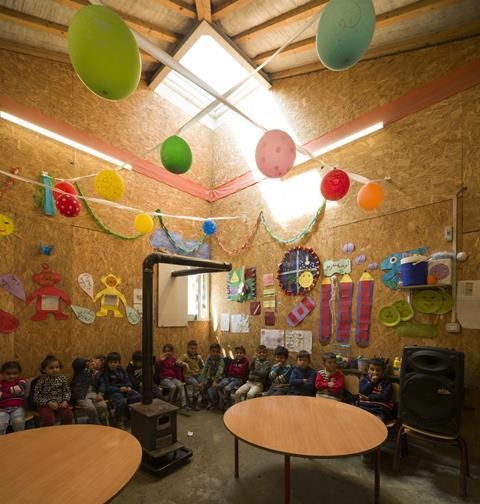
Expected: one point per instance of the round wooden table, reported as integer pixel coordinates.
(67, 464)
(306, 427)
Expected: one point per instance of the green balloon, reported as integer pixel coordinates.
(176, 155)
(344, 32)
(104, 52)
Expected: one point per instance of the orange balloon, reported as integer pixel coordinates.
(370, 196)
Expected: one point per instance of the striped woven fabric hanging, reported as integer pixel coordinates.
(344, 311)
(364, 309)
(325, 332)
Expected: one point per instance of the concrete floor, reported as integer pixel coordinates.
(426, 476)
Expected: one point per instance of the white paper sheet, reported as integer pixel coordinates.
(298, 340)
(239, 323)
(272, 338)
(468, 304)
(225, 322)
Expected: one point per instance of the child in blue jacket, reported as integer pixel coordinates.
(115, 386)
(376, 393)
(302, 379)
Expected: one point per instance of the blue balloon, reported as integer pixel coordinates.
(209, 227)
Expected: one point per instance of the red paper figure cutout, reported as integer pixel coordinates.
(48, 296)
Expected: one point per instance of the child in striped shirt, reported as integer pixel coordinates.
(280, 373)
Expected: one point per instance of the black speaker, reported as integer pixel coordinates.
(431, 389)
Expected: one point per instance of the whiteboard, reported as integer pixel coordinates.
(172, 297)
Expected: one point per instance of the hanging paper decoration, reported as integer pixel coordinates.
(109, 185)
(46, 249)
(104, 53)
(133, 316)
(173, 242)
(110, 297)
(255, 308)
(300, 311)
(12, 284)
(391, 264)
(335, 185)
(404, 308)
(389, 316)
(342, 266)
(85, 281)
(65, 187)
(9, 181)
(8, 323)
(143, 223)
(68, 205)
(344, 33)
(176, 155)
(48, 296)
(360, 259)
(209, 227)
(299, 271)
(344, 315)
(85, 315)
(325, 332)
(275, 153)
(370, 196)
(348, 248)
(7, 226)
(364, 309)
(48, 201)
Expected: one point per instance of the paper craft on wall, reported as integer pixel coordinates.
(348, 248)
(239, 323)
(133, 316)
(296, 340)
(12, 284)
(325, 332)
(272, 338)
(344, 310)
(8, 322)
(269, 318)
(299, 271)
(364, 309)
(250, 286)
(391, 264)
(46, 249)
(85, 281)
(360, 259)
(235, 284)
(48, 199)
(255, 308)
(110, 297)
(48, 296)
(372, 266)
(269, 291)
(270, 304)
(7, 226)
(342, 266)
(300, 311)
(85, 315)
(138, 300)
(267, 279)
(191, 248)
(225, 322)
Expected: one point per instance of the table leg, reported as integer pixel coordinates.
(376, 498)
(236, 458)
(287, 479)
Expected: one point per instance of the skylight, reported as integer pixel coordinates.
(213, 60)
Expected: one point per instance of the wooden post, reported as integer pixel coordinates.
(236, 458)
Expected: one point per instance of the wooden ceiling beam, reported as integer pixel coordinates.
(228, 7)
(43, 25)
(405, 13)
(144, 27)
(179, 7)
(414, 43)
(304, 11)
(204, 10)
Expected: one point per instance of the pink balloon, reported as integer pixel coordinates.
(275, 153)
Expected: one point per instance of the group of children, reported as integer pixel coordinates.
(217, 380)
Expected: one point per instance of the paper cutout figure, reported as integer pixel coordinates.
(344, 315)
(325, 332)
(391, 264)
(85, 281)
(300, 311)
(272, 338)
(255, 308)
(110, 297)
(48, 296)
(8, 322)
(296, 340)
(267, 279)
(83, 314)
(225, 322)
(132, 315)
(12, 284)
(364, 309)
(46, 249)
(269, 318)
(342, 266)
(239, 323)
(7, 226)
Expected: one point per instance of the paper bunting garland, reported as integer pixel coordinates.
(325, 332)
(85, 281)
(8, 322)
(83, 314)
(344, 314)
(12, 284)
(364, 309)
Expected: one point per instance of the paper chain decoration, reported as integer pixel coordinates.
(299, 271)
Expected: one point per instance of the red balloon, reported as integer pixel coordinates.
(335, 185)
(64, 186)
(68, 205)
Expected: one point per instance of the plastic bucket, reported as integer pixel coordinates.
(414, 270)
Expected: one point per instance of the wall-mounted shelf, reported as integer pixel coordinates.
(426, 286)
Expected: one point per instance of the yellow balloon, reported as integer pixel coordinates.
(143, 223)
(109, 185)
(7, 227)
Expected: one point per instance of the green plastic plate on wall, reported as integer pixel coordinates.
(427, 301)
(405, 309)
(389, 316)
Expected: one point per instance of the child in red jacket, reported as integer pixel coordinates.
(12, 397)
(236, 375)
(168, 373)
(329, 381)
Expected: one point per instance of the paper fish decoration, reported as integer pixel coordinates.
(342, 266)
(132, 315)
(83, 314)
(391, 264)
(46, 249)
(12, 284)
(85, 280)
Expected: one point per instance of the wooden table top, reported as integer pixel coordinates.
(305, 426)
(67, 464)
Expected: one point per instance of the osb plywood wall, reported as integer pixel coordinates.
(429, 156)
(80, 246)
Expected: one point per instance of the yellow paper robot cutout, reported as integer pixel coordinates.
(110, 296)
(7, 227)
